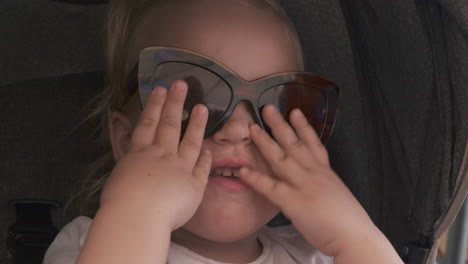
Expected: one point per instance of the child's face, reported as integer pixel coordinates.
(253, 43)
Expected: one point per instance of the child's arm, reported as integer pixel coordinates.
(155, 187)
(312, 196)
(120, 236)
(370, 247)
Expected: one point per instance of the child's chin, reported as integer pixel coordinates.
(226, 218)
(224, 236)
(223, 231)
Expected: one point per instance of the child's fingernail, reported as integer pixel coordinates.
(298, 113)
(201, 109)
(244, 170)
(180, 87)
(270, 108)
(256, 127)
(159, 90)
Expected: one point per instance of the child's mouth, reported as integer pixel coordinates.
(230, 173)
(228, 179)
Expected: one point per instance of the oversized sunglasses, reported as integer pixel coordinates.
(220, 90)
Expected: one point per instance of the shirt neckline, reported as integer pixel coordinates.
(190, 255)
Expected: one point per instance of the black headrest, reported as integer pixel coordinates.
(83, 2)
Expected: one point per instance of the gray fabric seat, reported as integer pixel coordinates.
(400, 142)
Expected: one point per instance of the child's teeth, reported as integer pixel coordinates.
(227, 172)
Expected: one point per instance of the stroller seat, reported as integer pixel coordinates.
(400, 142)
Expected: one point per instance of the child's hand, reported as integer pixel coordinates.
(304, 186)
(159, 177)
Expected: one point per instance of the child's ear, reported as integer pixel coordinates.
(120, 131)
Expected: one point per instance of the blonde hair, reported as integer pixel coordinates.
(123, 18)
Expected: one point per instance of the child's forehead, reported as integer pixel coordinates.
(250, 41)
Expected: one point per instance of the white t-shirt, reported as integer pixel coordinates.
(281, 245)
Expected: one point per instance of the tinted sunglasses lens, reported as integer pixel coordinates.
(204, 87)
(311, 101)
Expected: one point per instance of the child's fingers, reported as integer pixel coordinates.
(189, 147)
(302, 142)
(290, 141)
(308, 135)
(274, 190)
(202, 168)
(269, 148)
(143, 134)
(271, 151)
(304, 129)
(168, 131)
(281, 130)
(273, 154)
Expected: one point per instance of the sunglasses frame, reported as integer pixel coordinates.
(142, 79)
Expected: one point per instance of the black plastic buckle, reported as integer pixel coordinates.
(33, 231)
(417, 252)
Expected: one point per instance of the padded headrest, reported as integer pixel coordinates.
(84, 2)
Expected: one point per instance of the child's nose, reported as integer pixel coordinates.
(236, 129)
